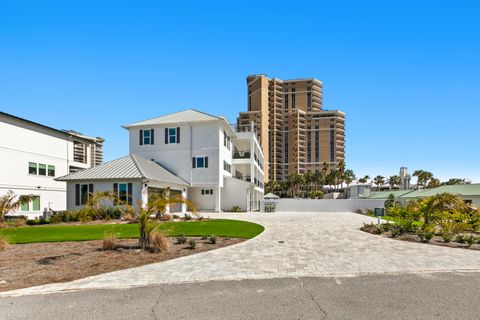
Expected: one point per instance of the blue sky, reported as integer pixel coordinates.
(407, 73)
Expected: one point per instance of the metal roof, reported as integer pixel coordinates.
(460, 189)
(386, 194)
(189, 115)
(128, 167)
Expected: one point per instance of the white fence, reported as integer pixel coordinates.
(324, 205)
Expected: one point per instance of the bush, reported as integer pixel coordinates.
(371, 228)
(37, 221)
(407, 225)
(447, 236)
(187, 217)
(426, 233)
(3, 243)
(460, 238)
(204, 238)
(167, 217)
(159, 242)
(470, 240)
(176, 216)
(181, 239)
(109, 241)
(385, 227)
(316, 195)
(212, 239)
(192, 244)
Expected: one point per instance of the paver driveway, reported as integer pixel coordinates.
(292, 245)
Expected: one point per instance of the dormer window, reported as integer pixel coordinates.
(147, 137)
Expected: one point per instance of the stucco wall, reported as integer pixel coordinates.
(322, 205)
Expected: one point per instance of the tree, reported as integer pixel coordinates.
(454, 181)
(349, 176)
(272, 186)
(432, 206)
(156, 203)
(295, 180)
(379, 181)
(364, 179)
(433, 183)
(11, 202)
(423, 177)
(99, 202)
(394, 181)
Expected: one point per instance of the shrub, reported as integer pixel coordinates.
(460, 238)
(204, 238)
(3, 243)
(181, 239)
(316, 195)
(235, 209)
(426, 233)
(192, 244)
(109, 241)
(187, 217)
(159, 242)
(37, 221)
(128, 216)
(371, 228)
(55, 218)
(385, 227)
(407, 225)
(176, 216)
(470, 240)
(212, 239)
(447, 236)
(19, 222)
(167, 217)
(396, 232)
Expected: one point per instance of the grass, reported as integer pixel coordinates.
(61, 233)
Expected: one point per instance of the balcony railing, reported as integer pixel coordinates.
(241, 155)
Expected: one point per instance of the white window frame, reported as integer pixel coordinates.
(174, 136)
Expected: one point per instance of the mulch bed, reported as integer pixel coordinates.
(437, 241)
(27, 265)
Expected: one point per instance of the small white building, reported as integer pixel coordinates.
(131, 178)
(33, 155)
(221, 168)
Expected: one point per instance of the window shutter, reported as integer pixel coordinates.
(77, 194)
(166, 135)
(206, 162)
(115, 193)
(152, 136)
(129, 193)
(178, 134)
(194, 164)
(140, 136)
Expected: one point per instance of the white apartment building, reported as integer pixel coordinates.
(199, 155)
(33, 155)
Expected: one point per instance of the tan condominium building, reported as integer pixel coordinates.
(297, 135)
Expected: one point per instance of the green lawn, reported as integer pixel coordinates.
(60, 233)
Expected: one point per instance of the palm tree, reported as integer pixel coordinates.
(422, 177)
(296, 180)
(309, 181)
(11, 202)
(156, 203)
(439, 203)
(394, 181)
(379, 181)
(324, 173)
(99, 202)
(349, 176)
(364, 179)
(433, 183)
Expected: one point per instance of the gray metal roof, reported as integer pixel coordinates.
(128, 167)
(185, 116)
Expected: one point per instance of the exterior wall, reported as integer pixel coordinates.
(101, 186)
(321, 205)
(236, 193)
(202, 202)
(22, 142)
(195, 140)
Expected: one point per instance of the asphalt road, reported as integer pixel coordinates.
(426, 296)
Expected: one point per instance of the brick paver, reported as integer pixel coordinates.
(314, 244)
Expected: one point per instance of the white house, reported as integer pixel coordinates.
(33, 155)
(132, 179)
(221, 168)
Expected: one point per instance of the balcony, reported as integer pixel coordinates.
(241, 155)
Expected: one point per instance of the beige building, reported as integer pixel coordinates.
(296, 134)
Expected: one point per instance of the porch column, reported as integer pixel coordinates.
(218, 199)
(167, 207)
(144, 196)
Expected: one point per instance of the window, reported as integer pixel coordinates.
(25, 206)
(226, 140)
(32, 168)
(82, 193)
(123, 191)
(309, 144)
(293, 99)
(200, 162)
(51, 171)
(42, 169)
(317, 144)
(286, 102)
(36, 204)
(309, 100)
(227, 166)
(147, 137)
(332, 146)
(207, 192)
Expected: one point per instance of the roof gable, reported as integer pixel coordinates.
(185, 116)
